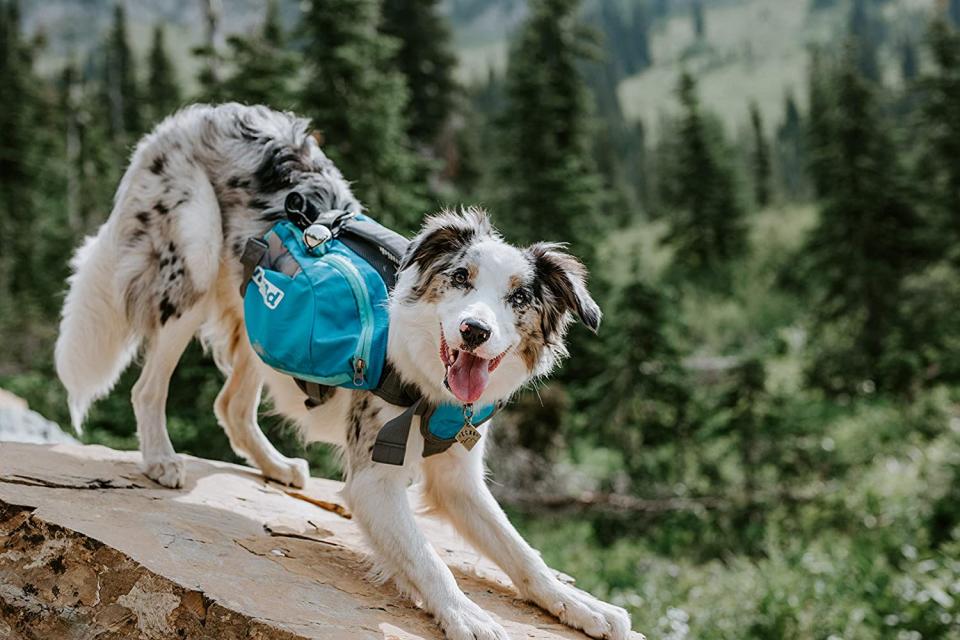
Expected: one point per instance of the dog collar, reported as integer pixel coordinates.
(441, 426)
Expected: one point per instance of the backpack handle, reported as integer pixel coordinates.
(300, 211)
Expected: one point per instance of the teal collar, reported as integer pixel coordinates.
(446, 420)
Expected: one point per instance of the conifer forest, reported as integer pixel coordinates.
(763, 440)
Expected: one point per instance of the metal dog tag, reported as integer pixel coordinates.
(468, 437)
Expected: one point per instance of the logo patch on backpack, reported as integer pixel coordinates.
(271, 294)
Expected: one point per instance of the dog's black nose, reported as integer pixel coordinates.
(474, 333)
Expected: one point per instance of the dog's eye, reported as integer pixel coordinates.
(460, 277)
(520, 298)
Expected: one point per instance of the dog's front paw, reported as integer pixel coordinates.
(291, 471)
(169, 471)
(580, 610)
(467, 621)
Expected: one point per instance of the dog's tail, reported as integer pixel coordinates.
(96, 341)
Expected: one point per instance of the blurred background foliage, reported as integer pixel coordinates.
(764, 439)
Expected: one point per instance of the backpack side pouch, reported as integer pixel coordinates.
(319, 315)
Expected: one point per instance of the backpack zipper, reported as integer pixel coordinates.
(362, 297)
(359, 366)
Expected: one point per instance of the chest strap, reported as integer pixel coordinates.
(439, 426)
(391, 444)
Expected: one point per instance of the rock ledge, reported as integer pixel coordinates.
(90, 548)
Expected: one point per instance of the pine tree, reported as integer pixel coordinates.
(69, 94)
(426, 59)
(742, 415)
(467, 169)
(617, 149)
(100, 160)
(820, 5)
(48, 231)
(868, 241)
(640, 37)
(698, 187)
(609, 25)
(16, 176)
(552, 188)
(820, 127)
(792, 121)
(162, 91)
(209, 56)
(32, 186)
(699, 19)
(262, 66)
(358, 103)
(909, 62)
(760, 158)
(641, 393)
(120, 82)
(790, 150)
(625, 39)
(863, 30)
(941, 112)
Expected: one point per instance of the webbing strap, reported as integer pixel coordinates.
(391, 444)
(394, 390)
(253, 253)
(317, 394)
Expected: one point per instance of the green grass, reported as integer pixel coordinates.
(854, 561)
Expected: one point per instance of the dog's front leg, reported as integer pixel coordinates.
(455, 487)
(377, 497)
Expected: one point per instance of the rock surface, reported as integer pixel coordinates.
(90, 548)
(19, 424)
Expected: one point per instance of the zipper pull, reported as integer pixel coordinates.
(359, 366)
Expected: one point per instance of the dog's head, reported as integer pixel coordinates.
(473, 318)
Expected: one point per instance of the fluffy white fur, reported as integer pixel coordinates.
(164, 268)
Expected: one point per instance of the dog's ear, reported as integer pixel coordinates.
(565, 278)
(444, 235)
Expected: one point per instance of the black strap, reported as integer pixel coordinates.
(381, 247)
(253, 253)
(394, 390)
(391, 444)
(317, 394)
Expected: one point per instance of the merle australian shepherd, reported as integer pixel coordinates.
(165, 268)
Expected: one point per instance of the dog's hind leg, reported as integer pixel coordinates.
(237, 403)
(454, 487)
(236, 409)
(163, 351)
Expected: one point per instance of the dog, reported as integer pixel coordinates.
(472, 319)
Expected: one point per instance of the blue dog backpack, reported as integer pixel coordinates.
(315, 299)
(319, 314)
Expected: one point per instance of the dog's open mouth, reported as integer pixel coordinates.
(467, 374)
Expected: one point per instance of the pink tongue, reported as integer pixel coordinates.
(467, 377)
